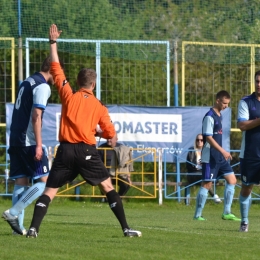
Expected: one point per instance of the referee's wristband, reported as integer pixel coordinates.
(52, 41)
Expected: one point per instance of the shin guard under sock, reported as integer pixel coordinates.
(17, 194)
(28, 197)
(228, 198)
(40, 210)
(116, 206)
(200, 201)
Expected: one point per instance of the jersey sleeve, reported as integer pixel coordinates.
(41, 95)
(242, 113)
(106, 124)
(60, 81)
(208, 126)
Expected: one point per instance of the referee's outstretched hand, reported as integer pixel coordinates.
(54, 33)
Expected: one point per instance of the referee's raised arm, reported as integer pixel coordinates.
(54, 34)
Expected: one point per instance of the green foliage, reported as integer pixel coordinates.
(217, 21)
(8, 18)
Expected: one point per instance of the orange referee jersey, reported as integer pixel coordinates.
(81, 112)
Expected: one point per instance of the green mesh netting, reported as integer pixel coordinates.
(234, 21)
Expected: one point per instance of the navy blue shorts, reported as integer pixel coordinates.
(250, 171)
(212, 171)
(76, 159)
(22, 163)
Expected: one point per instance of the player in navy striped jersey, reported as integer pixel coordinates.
(248, 121)
(27, 158)
(215, 159)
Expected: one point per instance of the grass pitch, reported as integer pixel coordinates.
(88, 230)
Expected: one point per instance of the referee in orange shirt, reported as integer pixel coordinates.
(77, 154)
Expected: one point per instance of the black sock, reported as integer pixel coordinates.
(211, 193)
(116, 206)
(40, 210)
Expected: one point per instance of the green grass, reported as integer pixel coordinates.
(88, 230)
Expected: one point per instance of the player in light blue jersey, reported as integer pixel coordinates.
(248, 121)
(27, 157)
(214, 159)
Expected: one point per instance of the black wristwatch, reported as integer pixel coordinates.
(52, 41)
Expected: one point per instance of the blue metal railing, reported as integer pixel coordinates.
(169, 194)
(4, 173)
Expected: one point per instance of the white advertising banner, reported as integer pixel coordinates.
(173, 129)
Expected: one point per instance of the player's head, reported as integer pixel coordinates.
(257, 74)
(45, 70)
(87, 78)
(46, 64)
(112, 142)
(222, 100)
(257, 83)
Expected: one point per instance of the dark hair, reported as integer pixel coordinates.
(86, 77)
(257, 73)
(222, 94)
(46, 65)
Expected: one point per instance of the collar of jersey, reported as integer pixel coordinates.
(86, 90)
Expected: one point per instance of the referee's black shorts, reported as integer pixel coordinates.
(73, 159)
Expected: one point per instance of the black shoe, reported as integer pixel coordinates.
(12, 221)
(243, 227)
(128, 232)
(32, 233)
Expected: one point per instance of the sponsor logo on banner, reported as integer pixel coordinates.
(148, 127)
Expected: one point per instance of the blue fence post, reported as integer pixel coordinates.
(178, 178)
(164, 174)
(187, 195)
(77, 192)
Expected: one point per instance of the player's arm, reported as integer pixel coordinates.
(60, 82)
(57, 72)
(243, 122)
(41, 95)
(37, 129)
(54, 34)
(248, 124)
(106, 125)
(214, 144)
(207, 130)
